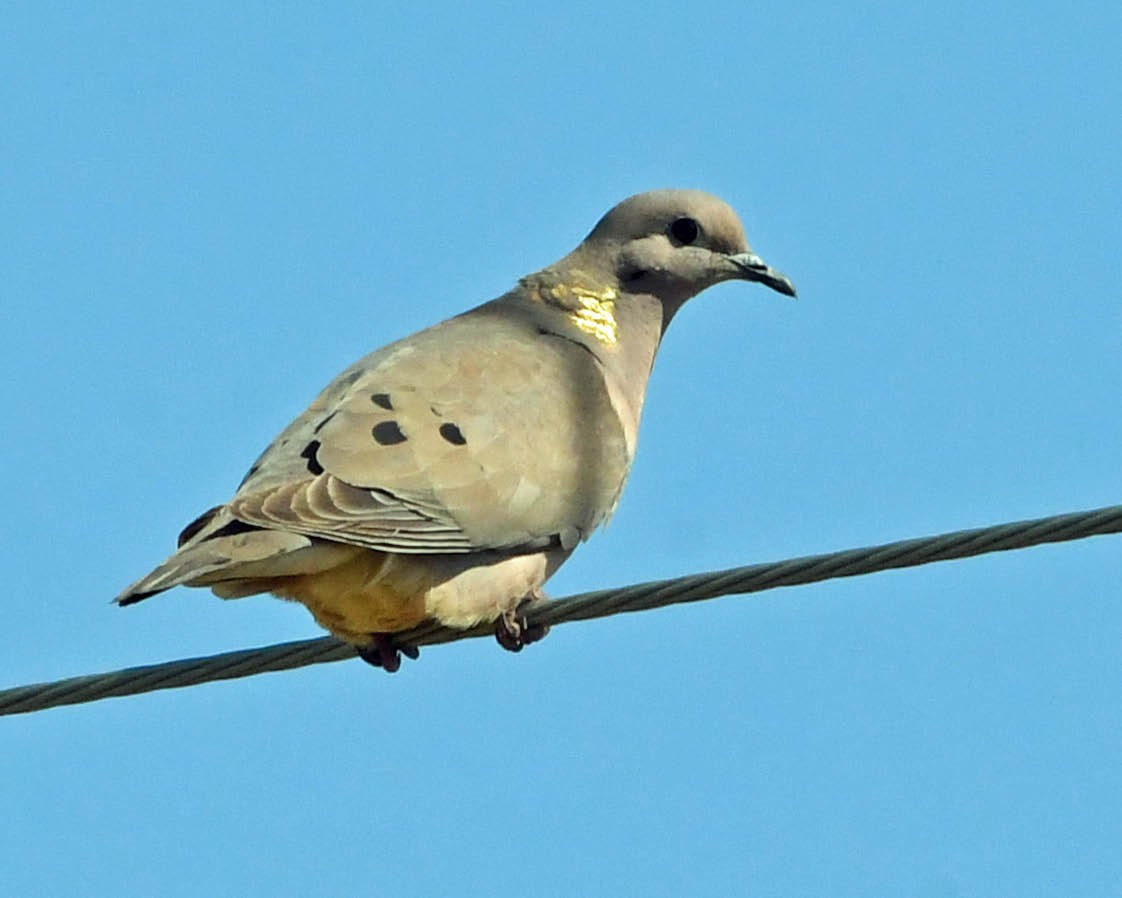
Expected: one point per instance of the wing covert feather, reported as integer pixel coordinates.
(478, 433)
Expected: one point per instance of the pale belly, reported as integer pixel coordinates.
(376, 592)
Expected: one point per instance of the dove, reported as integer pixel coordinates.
(448, 475)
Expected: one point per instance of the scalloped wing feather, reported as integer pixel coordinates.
(475, 434)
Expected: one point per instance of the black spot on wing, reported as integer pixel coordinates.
(233, 529)
(452, 434)
(199, 523)
(387, 433)
(382, 400)
(314, 467)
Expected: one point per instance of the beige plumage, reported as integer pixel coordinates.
(448, 475)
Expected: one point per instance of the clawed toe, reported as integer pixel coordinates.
(385, 652)
(514, 632)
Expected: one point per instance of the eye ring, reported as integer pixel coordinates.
(684, 231)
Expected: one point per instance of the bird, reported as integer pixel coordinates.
(448, 475)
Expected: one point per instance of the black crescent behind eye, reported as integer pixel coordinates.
(685, 231)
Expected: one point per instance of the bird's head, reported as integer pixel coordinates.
(672, 244)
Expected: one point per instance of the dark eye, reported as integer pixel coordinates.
(685, 231)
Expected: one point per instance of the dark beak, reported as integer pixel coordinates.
(752, 268)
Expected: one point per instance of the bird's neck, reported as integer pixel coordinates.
(621, 330)
(608, 320)
(588, 306)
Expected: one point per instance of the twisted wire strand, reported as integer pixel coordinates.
(585, 606)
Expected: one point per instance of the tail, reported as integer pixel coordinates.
(235, 559)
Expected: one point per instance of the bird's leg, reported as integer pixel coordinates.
(385, 652)
(512, 630)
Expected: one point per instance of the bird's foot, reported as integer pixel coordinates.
(385, 652)
(513, 631)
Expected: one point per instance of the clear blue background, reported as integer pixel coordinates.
(209, 211)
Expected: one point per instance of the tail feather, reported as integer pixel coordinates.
(228, 554)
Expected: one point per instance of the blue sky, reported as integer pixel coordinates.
(208, 213)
